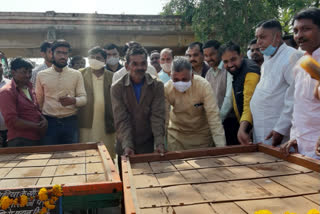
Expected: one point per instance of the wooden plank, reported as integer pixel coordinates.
(35, 156)
(184, 194)
(298, 159)
(170, 178)
(273, 187)
(161, 210)
(193, 209)
(93, 159)
(49, 171)
(303, 183)
(193, 153)
(212, 162)
(193, 176)
(53, 162)
(12, 183)
(96, 178)
(73, 160)
(253, 158)
(314, 198)
(181, 165)
(233, 190)
(145, 180)
(141, 168)
(25, 172)
(130, 197)
(162, 166)
(223, 208)
(277, 205)
(42, 149)
(107, 163)
(11, 164)
(92, 152)
(151, 197)
(24, 163)
(44, 182)
(272, 169)
(4, 172)
(69, 179)
(72, 169)
(69, 154)
(224, 173)
(94, 168)
(296, 167)
(5, 158)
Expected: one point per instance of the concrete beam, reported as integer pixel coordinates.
(22, 33)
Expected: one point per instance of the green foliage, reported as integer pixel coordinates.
(235, 20)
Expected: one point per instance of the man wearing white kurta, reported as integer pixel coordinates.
(272, 102)
(306, 118)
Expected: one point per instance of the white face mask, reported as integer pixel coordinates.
(182, 86)
(95, 64)
(113, 60)
(166, 67)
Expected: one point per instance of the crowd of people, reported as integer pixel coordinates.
(214, 96)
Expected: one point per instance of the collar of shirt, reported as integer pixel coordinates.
(14, 85)
(64, 69)
(279, 51)
(216, 71)
(316, 53)
(147, 78)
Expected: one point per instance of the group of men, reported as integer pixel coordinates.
(213, 96)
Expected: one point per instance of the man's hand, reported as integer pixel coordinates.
(128, 151)
(244, 137)
(318, 147)
(276, 138)
(43, 123)
(67, 101)
(160, 149)
(316, 91)
(285, 148)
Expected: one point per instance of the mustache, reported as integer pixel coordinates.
(140, 71)
(302, 40)
(193, 61)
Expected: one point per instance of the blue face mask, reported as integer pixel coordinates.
(270, 50)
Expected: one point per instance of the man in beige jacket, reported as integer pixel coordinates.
(193, 120)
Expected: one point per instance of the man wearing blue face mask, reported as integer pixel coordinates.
(272, 102)
(193, 121)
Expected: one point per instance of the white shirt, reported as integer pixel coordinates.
(226, 106)
(123, 71)
(306, 114)
(272, 102)
(2, 123)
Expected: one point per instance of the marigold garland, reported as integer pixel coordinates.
(48, 197)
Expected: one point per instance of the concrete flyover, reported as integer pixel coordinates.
(22, 33)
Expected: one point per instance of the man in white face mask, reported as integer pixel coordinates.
(166, 57)
(193, 121)
(96, 118)
(113, 58)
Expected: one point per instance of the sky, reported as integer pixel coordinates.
(146, 7)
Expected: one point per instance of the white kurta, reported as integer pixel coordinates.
(272, 102)
(306, 114)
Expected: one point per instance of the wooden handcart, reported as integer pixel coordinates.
(85, 171)
(229, 180)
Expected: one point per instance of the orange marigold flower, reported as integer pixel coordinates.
(313, 211)
(57, 190)
(15, 201)
(263, 212)
(43, 196)
(5, 202)
(23, 200)
(43, 210)
(48, 205)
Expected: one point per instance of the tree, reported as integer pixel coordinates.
(235, 20)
